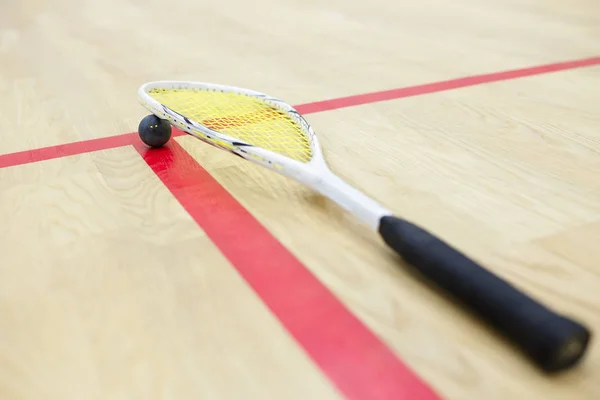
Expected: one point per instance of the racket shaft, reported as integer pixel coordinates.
(349, 198)
(551, 341)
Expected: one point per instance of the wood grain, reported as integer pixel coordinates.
(112, 291)
(108, 289)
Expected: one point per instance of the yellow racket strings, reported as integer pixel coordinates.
(240, 116)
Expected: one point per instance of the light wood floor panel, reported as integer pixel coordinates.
(482, 169)
(112, 291)
(71, 69)
(109, 286)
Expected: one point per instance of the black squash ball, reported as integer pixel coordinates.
(154, 132)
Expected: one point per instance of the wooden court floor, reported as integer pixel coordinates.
(187, 273)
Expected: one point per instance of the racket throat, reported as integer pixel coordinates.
(352, 200)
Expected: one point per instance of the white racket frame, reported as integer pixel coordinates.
(314, 173)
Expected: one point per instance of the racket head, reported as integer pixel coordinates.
(249, 123)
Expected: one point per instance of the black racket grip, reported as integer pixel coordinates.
(551, 341)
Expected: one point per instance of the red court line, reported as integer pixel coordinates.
(353, 358)
(441, 86)
(65, 150)
(47, 153)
